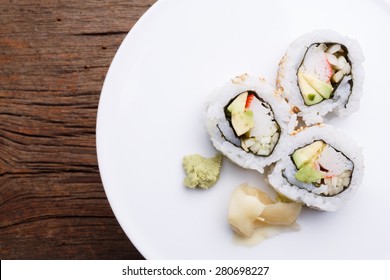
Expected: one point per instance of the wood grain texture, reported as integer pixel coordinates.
(54, 56)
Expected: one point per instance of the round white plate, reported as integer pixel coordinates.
(151, 115)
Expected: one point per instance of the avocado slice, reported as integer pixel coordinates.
(247, 143)
(323, 88)
(309, 174)
(242, 122)
(307, 153)
(238, 104)
(310, 95)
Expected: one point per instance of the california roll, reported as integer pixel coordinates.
(320, 73)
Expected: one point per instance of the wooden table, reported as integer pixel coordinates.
(54, 56)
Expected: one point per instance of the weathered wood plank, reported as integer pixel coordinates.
(58, 216)
(54, 56)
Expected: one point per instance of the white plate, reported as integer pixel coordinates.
(151, 115)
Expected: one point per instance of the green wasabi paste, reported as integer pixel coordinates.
(201, 172)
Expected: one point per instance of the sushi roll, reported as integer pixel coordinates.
(320, 73)
(247, 121)
(322, 168)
